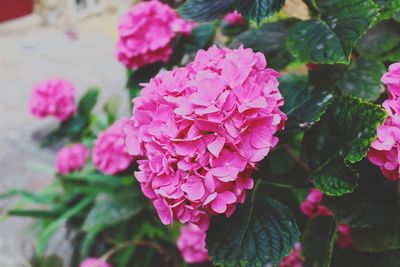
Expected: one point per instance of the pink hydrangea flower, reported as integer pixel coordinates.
(384, 151)
(234, 18)
(109, 154)
(312, 207)
(94, 262)
(392, 80)
(294, 259)
(146, 33)
(54, 97)
(201, 130)
(192, 244)
(71, 158)
(345, 239)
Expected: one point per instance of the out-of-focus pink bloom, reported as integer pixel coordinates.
(345, 239)
(192, 244)
(109, 154)
(234, 18)
(94, 262)
(384, 151)
(54, 97)
(146, 33)
(294, 259)
(312, 206)
(71, 158)
(201, 130)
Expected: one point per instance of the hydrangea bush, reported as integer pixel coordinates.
(257, 137)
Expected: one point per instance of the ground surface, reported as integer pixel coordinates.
(30, 53)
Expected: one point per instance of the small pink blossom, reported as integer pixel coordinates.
(294, 259)
(234, 18)
(71, 158)
(192, 244)
(109, 154)
(54, 97)
(384, 151)
(345, 239)
(146, 33)
(312, 207)
(94, 262)
(201, 130)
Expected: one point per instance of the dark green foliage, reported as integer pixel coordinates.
(261, 232)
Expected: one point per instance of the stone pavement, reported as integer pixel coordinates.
(31, 53)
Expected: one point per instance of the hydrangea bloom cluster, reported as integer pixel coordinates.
(94, 262)
(294, 259)
(192, 244)
(54, 97)
(384, 150)
(202, 129)
(109, 154)
(312, 207)
(71, 158)
(234, 18)
(146, 33)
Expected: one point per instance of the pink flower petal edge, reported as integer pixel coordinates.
(384, 151)
(94, 262)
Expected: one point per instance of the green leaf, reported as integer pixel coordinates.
(43, 198)
(393, 55)
(260, 233)
(52, 227)
(269, 39)
(87, 102)
(318, 242)
(205, 10)
(366, 206)
(356, 122)
(304, 104)
(313, 41)
(379, 40)
(110, 210)
(388, 7)
(326, 177)
(111, 108)
(41, 214)
(363, 79)
(232, 30)
(257, 10)
(350, 20)
(200, 38)
(331, 39)
(380, 237)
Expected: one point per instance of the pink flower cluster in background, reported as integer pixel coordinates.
(192, 244)
(54, 97)
(312, 207)
(294, 259)
(146, 33)
(94, 262)
(234, 18)
(109, 154)
(71, 158)
(201, 130)
(384, 150)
